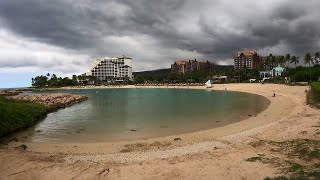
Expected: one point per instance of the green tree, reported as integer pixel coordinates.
(40, 81)
(287, 59)
(295, 60)
(273, 60)
(281, 60)
(138, 80)
(317, 57)
(269, 62)
(308, 60)
(53, 82)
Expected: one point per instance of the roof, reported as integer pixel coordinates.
(180, 62)
(247, 53)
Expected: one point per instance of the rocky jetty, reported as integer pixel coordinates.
(52, 101)
(10, 92)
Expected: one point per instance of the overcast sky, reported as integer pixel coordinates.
(63, 36)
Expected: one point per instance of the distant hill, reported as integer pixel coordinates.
(168, 70)
(152, 72)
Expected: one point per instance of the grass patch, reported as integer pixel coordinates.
(254, 159)
(308, 176)
(16, 114)
(295, 168)
(300, 158)
(299, 148)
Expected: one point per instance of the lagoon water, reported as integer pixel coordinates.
(130, 114)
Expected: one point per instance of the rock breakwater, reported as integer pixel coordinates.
(10, 92)
(52, 101)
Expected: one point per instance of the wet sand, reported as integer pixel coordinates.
(218, 152)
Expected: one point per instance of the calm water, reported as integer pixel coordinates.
(129, 114)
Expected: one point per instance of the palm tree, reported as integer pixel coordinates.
(281, 60)
(273, 60)
(308, 60)
(294, 60)
(317, 57)
(268, 62)
(287, 58)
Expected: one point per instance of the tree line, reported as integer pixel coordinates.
(311, 72)
(296, 73)
(53, 81)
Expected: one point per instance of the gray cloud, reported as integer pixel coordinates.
(154, 32)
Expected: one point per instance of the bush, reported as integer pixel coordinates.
(15, 115)
(313, 96)
(315, 86)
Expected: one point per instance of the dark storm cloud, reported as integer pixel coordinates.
(156, 32)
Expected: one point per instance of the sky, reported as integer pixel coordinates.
(64, 36)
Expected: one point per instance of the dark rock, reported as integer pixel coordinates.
(133, 130)
(14, 139)
(249, 115)
(38, 131)
(21, 147)
(218, 121)
(177, 139)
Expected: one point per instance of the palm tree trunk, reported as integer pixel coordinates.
(310, 71)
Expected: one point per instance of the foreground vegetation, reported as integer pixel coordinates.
(16, 115)
(300, 158)
(313, 96)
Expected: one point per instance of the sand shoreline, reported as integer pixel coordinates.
(284, 109)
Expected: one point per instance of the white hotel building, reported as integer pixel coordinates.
(116, 67)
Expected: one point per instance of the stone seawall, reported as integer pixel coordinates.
(52, 101)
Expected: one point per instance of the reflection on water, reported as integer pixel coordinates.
(128, 114)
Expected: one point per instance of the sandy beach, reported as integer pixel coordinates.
(218, 153)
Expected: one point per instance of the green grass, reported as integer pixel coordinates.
(313, 96)
(312, 175)
(315, 86)
(15, 115)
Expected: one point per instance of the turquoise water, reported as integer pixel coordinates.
(130, 114)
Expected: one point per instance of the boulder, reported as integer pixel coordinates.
(21, 147)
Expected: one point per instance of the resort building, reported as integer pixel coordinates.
(274, 72)
(186, 66)
(118, 68)
(247, 60)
